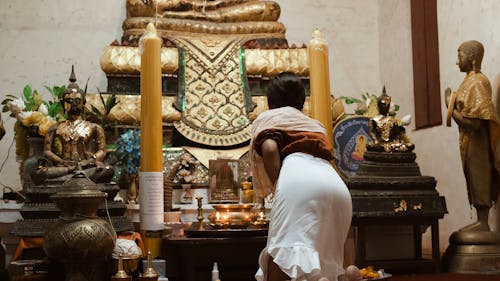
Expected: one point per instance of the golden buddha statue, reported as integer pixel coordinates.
(387, 132)
(204, 17)
(479, 133)
(74, 143)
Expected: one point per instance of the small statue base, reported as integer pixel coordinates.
(473, 252)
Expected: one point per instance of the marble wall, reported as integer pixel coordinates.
(370, 46)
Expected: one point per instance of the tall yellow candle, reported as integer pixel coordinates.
(320, 99)
(151, 164)
(151, 115)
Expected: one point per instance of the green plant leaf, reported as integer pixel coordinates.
(96, 112)
(102, 99)
(55, 109)
(110, 103)
(51, 91)
(350, 100)
(59, 91)
(396, 108)
(27, 92)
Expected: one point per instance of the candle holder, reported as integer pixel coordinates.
(261, 221)
(200, 212)
(149, 273)
(121, 275)
(236, 216)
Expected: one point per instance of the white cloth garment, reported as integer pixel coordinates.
(309, 221)
(283, 118)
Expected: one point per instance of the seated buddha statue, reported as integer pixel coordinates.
(73, 143)
(388, 132)
(203, 16)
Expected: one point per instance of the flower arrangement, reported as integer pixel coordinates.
(32, 112)
(128, 151)
(367, 105)
(34, 115)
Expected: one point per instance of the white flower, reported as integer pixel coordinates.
(23, 115)
(406, 120)
(43, 109)
(16, 106)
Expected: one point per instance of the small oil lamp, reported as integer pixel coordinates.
(261, 220)
(232, 216)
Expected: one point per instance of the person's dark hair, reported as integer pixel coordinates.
(286, 89)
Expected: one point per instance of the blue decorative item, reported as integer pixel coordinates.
(128, 151)
(350, 137)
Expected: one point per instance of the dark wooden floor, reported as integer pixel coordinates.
(444, 277)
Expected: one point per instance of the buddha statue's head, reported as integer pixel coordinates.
(73, 99)
(470, 56)
(384, 103)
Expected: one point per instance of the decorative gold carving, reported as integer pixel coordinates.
(417, 206)
(127, 111)
(401, 207)
(274, 61)
(213, 140)
(126, 60)
(213, 82)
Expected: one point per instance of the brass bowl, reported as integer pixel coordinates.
(232, 216)
(232, 207)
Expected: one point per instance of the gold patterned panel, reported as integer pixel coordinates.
(213, 92)
(128, 109)
(126, 60)
(271, 62)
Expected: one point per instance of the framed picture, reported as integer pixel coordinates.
(223, 181)
(350, 137)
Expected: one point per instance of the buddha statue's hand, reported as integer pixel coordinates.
(88, 162)
(66, 163)
(447, 96)
(71, 168)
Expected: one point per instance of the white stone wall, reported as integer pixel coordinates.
(40, 40)
(370, 46)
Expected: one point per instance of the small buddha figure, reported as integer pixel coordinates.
(387, 132)
(74, 143)
(359, 148)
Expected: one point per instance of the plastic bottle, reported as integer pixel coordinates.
(215, 272)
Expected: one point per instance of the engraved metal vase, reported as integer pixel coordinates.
(79, 239)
